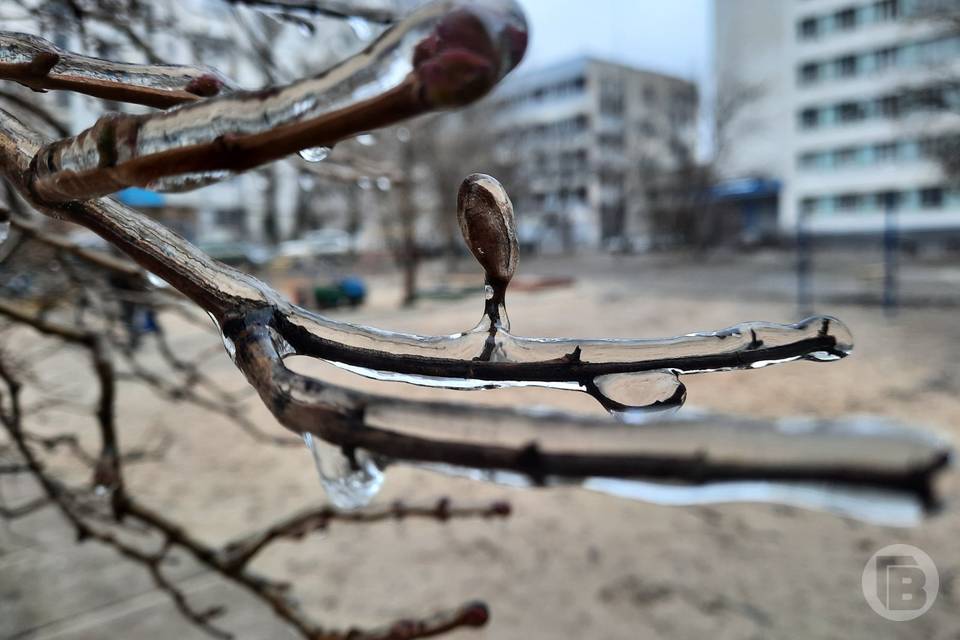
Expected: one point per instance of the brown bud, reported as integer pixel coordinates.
(486, 220)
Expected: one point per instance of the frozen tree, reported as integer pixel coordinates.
(444, 55)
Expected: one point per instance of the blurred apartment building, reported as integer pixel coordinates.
(855, 97)
(585, 135)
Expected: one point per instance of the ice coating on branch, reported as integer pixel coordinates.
(4, 225)
(830, 465)
(629, 395)
(627, 376)
(470, 49)
(349, 483)
(445, 54)
(40, 64)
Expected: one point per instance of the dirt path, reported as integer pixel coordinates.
(569, 563)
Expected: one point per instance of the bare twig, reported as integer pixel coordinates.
(326, 8)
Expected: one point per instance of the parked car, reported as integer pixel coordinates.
(320, 243)
(237, 253)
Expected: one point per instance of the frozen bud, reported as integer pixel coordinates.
(206, 85)
(469, 50)
(486, 221)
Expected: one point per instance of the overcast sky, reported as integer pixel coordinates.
(671, 36)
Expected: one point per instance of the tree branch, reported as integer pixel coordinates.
(259, 325)
(240, 552)
(41, 66)
(326, 8)
(448, 53)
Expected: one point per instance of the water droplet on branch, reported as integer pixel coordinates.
(156, 281)
(4, 230)
(366, 139)
(228, 344)
(349, 484)
(629, 395)
(383, 183)
(315, 154)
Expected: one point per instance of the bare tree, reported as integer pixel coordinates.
(677, 188)
(939, 88)
(444, 55)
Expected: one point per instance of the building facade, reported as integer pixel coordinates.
(856, 100)
(585, 134)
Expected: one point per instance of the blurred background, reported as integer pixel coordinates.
(674, 167)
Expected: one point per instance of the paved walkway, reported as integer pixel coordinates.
(52, 587)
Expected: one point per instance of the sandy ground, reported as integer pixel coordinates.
(570, 563)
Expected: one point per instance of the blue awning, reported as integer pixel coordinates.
(137, 197)
(745, 188)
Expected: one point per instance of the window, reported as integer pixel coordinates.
(930, 98)
(885, 152)
(890, 106)
(848, 202)
(847, 66)
(885, 58)
(809, 160)
(649, 94)
(850, 112)
(808, 205)
(845, 157)
(888, 200)
(931, 198)
(809, 72)
(846, 19)
(612, 140)
(611, 105)
(809, 28)
(887, 10)
(810, 118)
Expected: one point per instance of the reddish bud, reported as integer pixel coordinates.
(475, 614)
(205, 86)
(469, 50)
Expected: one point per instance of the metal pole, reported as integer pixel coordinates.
(891, 246)
(804, 268)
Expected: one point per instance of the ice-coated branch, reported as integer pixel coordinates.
(446, 54)
(42, 66)
(260, 329)
(82, 511)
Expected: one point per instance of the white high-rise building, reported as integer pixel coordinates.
(855, 98)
